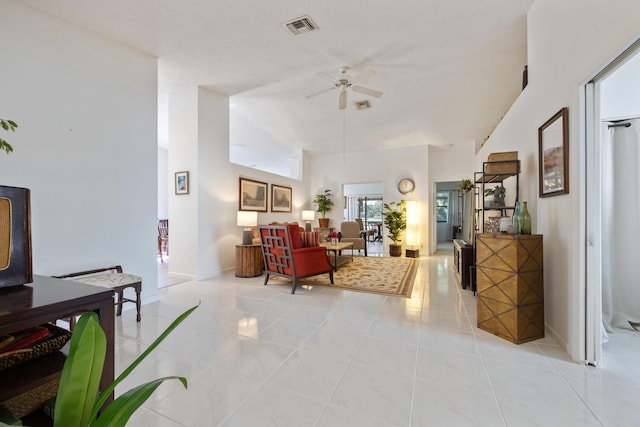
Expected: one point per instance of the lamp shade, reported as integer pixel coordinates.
(247, 218)
(308, 215)
(413, 220)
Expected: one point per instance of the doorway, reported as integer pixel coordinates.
(365, 202)
(612, 199)
(451, 211)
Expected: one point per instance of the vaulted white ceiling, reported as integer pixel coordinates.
(449, 70)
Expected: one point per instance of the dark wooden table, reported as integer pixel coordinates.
(48, 299)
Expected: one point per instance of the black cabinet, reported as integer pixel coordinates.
(462, 260)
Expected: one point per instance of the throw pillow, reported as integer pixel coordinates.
(294, 235)
(309, 239)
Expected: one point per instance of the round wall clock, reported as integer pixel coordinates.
(406, 186)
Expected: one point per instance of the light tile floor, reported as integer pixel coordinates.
(256, 355)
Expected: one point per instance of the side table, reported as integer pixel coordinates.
(249, 262)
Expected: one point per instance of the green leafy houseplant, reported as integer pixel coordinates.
(466, 185)
(324, 202)
(395, 219)
(8, 125)
(79, 398)
(498, 193)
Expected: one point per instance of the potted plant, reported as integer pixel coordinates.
(465, 186)
(324, 202)
(395, 219)
(8, 125)
(79, 399)
(498, 193)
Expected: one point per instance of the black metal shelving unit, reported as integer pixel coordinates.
(495, 172)
(483, 178)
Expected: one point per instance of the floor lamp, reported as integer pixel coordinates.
(413, 230)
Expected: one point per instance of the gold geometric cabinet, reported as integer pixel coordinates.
(510, 286)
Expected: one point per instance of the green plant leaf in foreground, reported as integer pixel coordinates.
(103, 396)
(81, 374)
(78, 401)
(118, 413)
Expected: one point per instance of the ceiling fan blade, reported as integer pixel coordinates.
(367, 91)
(321, 92)
(328, 77)
(343, 100)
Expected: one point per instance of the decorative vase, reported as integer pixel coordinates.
(525, 220)
(324, 222)
(495, 224)
(516, 218)
(505, 223)
(334, 241)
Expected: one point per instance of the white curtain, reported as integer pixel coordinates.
(621, 224)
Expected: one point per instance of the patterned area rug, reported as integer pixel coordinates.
(378, 275)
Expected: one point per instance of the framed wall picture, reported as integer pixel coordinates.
(182, 182)
(253, 195)
(553, 155)
(280, 198)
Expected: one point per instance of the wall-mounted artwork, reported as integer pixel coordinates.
(253, 195)
(182, 182)
(553, 155)
(280, 198)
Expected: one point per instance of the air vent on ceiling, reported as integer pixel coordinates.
(362, 105)
(301, 25)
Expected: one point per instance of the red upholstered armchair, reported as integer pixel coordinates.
(284, 255)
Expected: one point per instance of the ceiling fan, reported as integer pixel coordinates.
(344, 82)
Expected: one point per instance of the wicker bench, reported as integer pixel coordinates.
(113, 278)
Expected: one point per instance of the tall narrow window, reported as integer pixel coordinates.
(442, 206)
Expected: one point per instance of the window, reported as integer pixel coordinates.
(442, 206)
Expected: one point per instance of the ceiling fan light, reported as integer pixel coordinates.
(342, 104)
(362, 105)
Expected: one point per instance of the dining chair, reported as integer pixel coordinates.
(163, 237)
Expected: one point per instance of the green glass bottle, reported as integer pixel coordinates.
(525, 220)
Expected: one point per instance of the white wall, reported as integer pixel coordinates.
(165, 184)
(183, 157)
(386, 166)
(203, 226)
(86, 145)
(568, 42)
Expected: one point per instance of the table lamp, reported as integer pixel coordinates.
(247, 219)
(307, 217)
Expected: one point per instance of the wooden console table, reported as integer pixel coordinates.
(510, 286)
(46, 300)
